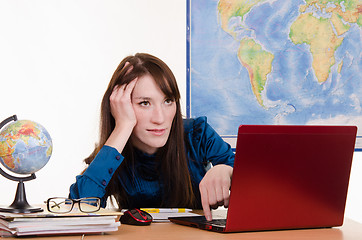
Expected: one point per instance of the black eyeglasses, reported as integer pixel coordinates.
(65, 205)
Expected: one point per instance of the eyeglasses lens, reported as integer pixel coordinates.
(89, 204)
(60, 205)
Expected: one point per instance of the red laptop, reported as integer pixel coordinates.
(286, 177)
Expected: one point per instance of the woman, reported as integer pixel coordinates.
(147, 155)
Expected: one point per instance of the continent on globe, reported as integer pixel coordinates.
(25, 147)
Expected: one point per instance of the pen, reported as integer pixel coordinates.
(166, 210)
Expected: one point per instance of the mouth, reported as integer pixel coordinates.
(157, 132)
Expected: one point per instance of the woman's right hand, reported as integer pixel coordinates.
(123, 113)
(121, 105)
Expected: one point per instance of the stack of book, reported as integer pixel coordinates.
(45, 223)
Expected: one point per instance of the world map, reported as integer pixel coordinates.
(275, 62)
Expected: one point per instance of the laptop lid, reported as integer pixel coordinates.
(287, 177)
(290, 177)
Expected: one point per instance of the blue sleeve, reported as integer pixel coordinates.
(93, 182)
(206, 143)
(217, 150)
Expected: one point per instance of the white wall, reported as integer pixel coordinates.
(56, 59)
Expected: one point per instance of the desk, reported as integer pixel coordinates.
(351, 230)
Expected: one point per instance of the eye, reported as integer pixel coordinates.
(169, 101)
(144, 103)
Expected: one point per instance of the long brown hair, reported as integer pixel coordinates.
(177, 182)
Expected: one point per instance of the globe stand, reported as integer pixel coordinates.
(20, 204)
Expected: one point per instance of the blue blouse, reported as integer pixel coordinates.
(143, 186)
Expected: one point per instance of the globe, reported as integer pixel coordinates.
(25, 147)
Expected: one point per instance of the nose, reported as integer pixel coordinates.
(158, 115)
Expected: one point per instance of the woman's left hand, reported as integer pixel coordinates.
(214, 188)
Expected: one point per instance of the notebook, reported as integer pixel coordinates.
(286, 177)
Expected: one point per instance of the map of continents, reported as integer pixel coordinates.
(275, 62)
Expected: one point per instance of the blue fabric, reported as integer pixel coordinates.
(144, 185)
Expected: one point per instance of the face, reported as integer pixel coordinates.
(154, 112)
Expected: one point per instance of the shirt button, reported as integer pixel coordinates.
(118, 157)
(110, 170)
(104, 183)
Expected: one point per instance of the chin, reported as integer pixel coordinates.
(150, 143)
(158, 143)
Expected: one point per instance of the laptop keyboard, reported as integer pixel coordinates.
(218, 222)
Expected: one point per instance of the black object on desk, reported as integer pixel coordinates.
(136, 217)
